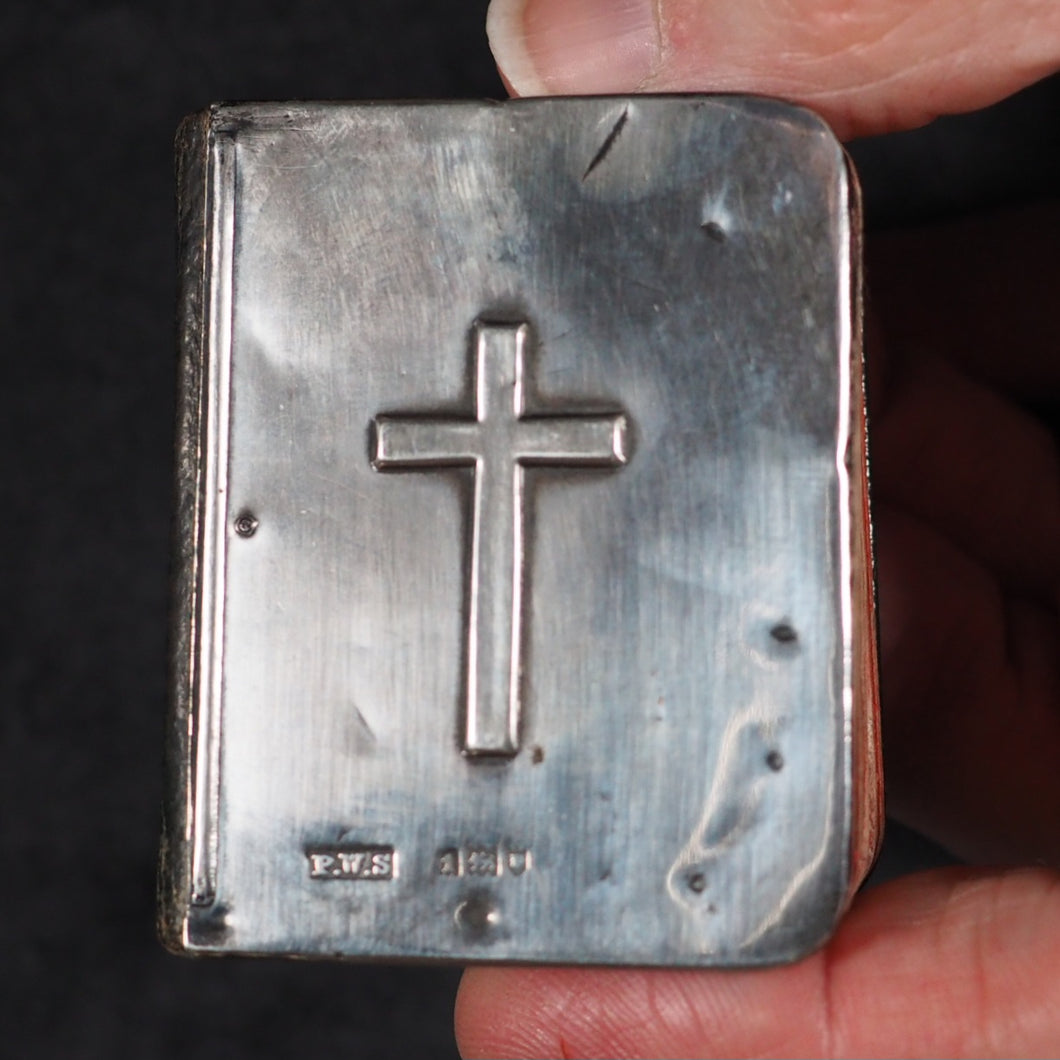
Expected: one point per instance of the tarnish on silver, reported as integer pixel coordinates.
(502, 439)
(524, 583)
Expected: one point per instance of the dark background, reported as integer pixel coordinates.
(91, 94)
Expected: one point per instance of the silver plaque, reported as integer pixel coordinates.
(524, 594)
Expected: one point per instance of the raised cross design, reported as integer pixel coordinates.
(500, 441)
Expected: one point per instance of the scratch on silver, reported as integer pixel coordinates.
(207, 779)
(609, 142)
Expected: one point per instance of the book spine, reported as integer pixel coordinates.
(866, 764)
(175, 861)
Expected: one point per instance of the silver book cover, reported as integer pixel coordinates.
(524, 596)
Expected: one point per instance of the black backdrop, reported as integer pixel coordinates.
(91, 94)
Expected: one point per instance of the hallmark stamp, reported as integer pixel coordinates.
(448, 862)
(517, 861)
(481, 861)
(351, 863)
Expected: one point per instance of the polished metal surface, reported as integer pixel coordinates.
(524, 602)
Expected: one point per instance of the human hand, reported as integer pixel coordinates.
(963, 338)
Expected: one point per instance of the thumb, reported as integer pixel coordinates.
(867, 67)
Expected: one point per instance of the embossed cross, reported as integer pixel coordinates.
(501, 440)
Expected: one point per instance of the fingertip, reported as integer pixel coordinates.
(866, 68)
(507, 38)
(472, 1014)
(951, 962)
(492, 1017)
(567, 47)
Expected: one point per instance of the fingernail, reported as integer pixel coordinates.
(549, 47)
